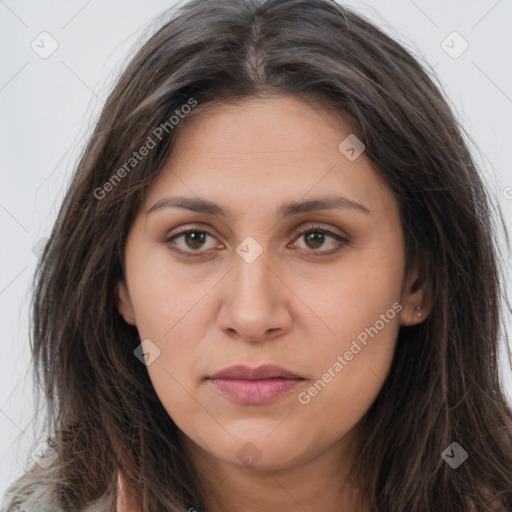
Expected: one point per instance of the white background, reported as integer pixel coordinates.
(48, 107)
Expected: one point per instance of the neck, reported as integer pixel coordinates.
(321, 483)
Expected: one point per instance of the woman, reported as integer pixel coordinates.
(273, 283)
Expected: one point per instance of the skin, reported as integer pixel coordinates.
(292, 306)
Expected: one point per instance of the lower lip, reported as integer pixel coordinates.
(255, 392)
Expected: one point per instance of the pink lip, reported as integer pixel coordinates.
(254, 386)
(255, 392)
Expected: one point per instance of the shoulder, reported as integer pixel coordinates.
(31, 495)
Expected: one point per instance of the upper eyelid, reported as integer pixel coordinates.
(297, 231)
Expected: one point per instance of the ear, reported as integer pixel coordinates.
(124, 304)
(415, 305)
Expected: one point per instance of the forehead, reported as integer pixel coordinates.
(258, 151)
(258, 125)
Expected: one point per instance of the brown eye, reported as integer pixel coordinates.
(317, 237)
(314, 239)
(193, 241)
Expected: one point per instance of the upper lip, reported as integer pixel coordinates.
(267, 371)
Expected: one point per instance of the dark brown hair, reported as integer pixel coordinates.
(102, 412)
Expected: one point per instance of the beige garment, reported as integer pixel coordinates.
(35, 496)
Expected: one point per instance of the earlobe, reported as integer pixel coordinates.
(413, 314)
(124, 305)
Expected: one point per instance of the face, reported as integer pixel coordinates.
(267, 272)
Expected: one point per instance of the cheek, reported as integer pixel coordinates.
(164, 297)
(362, 311)
(351, 373)
(362, 291)
(170, 311)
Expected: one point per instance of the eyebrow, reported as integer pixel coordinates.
(204, 206)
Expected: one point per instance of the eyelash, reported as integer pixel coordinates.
(313, 229)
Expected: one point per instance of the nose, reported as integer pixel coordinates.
(255, 305)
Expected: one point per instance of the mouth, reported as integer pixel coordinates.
(255, 386)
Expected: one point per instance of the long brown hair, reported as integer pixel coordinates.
(102, 413)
